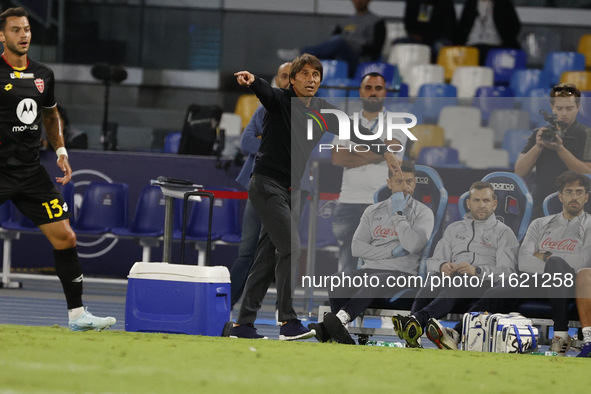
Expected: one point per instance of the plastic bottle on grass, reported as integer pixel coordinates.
(546, 353)
(384, 344)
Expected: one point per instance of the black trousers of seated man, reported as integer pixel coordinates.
(354, 300)
(507, 299)
(438, 301)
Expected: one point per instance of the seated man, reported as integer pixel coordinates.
(479, 245)
(555, 246)
(583, 293)
(360, 39)
(389, 239)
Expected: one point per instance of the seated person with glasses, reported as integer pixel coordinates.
(554, 250)
(551, 151)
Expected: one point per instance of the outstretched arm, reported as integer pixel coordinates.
(54, 129)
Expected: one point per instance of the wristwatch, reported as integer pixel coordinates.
(399, 213)
(546, 256)
(478, 271)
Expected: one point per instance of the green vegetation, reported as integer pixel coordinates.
(53, 359)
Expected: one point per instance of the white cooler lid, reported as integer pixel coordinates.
(180, 273)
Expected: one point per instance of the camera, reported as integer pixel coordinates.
(552, 130)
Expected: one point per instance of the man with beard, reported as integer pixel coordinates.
(555, 248)
(363, 172)
(480, 246)
(27, 100)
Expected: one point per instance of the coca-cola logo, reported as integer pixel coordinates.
(384, 232)
(567, 245)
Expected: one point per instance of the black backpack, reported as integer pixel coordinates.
(199, 136)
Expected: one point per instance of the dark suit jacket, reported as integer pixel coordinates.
(505, 19)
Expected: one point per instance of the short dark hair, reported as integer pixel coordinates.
(406, 166)
(373, 74)
(480, 185)
(14, 11)
(299, 62)
(572, 177)
(565, 90)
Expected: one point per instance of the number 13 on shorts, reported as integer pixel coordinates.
(53, 208)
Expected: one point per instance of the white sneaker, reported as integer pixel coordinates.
(288, 55)
(86, 322)
(443, 337)
(560, 345)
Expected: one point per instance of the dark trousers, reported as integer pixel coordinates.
(251, 229)
(272, 204)
(354, 300)
(439, 301)
(506, 299)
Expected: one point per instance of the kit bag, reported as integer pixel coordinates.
(499, 333)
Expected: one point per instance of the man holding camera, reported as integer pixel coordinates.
(563, 145)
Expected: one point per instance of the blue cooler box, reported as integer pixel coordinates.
(179, 299)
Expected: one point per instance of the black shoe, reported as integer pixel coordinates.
(227, 328)
(293, 330)
(246, 331)
(337, 330)
(321, 334)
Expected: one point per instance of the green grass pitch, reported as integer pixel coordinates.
(55, 360)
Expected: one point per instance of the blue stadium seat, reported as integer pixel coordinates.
(389, 72)
(334, 72)
(324, 235)
(104, 207)
(539, 98)
(436, 156)
(515, 201)
(513, 142)
(147, 224)
(225, 219)
(148, 219)
(504, 62)
(433, 97)
(491, 98)
(5, 212)
(430, 191)
(171, 142)
(558, 62)
(584, 115)
(522, 81)
(552, 204)
(19, 222)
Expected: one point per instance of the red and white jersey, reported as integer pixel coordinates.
(568, 239)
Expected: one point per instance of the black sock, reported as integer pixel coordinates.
(69, 271)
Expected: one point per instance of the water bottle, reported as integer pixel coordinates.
(384, 344)
(546, 353)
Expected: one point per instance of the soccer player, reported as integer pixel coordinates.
(27, 98)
